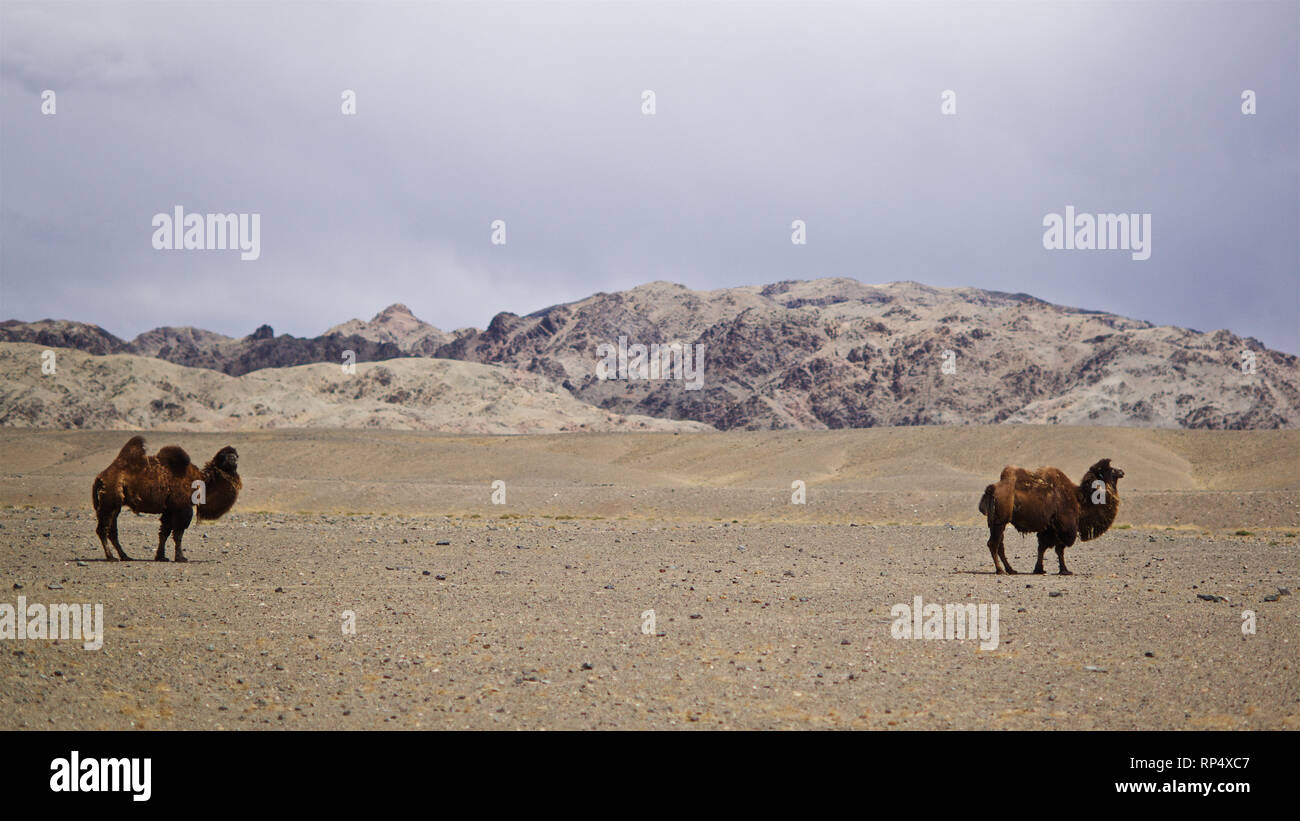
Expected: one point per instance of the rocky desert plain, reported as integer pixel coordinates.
(475, 533)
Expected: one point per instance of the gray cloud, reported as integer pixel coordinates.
(531, 113)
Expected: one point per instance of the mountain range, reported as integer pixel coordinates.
(827, 353)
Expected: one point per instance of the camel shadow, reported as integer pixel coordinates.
(1025, 575)
(134, 560)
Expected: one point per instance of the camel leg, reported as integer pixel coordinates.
(164, 530)
(1002, 551)
(180, 520)
(997, 550)
(995, 541)
(112, 536)
(1045, 540)
(1060, 557)
(101, 530)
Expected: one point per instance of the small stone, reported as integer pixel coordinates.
(697, 615)
(1092, 669)
(440, 577)
(1055, 593)
(442, 544)
(54, 586)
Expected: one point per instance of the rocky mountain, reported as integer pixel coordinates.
(197, 348)
(829, 353)
(396, 325)
(141, 393)
(836, 353)
(62, 333)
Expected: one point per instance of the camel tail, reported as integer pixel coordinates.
(986, 501)
(96, 491)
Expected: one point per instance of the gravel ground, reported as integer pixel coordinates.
(481, 622)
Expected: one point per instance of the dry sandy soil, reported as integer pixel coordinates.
(768, 614)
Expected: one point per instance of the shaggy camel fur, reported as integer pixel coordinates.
(1046, 502)
(167, 483)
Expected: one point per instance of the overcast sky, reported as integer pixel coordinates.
(532, 114)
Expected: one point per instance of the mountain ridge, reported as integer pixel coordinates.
(807, 354)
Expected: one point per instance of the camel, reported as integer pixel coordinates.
(1047, 503)
(167, 483)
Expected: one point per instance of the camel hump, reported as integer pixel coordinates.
(175, 458)
(132, 453)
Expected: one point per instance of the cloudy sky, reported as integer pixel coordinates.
(533, 114)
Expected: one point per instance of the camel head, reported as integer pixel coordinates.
(1103, 471)
(227, 459)
(223, 484)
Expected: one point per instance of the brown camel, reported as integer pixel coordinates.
(167, 483)
(1046, 502)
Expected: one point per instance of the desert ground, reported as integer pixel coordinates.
(767, 614)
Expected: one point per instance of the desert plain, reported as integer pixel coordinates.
(367, 579)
